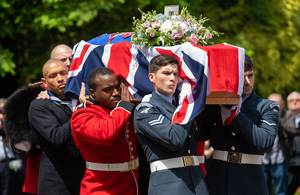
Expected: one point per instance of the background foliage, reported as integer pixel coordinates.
(269, 30)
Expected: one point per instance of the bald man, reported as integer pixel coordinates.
(63, 53)
(62, 166)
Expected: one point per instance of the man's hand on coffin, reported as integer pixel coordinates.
(228, 106)
(43, 95)
(125, 95)
(235, 107)
(81, 97)
(185, 89)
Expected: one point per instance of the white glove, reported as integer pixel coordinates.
(15, 165)
(185, 89)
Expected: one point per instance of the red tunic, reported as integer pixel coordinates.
(105, 136)
(32, 173)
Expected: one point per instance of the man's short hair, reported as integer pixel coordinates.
(97, 71)
(161, 60)
(292, 93)
(248, 63)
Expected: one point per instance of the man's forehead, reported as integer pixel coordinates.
(169, 67)
(54, 67)
(107, 80)
(64, 54)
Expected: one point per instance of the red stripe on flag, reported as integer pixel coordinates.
(120, 58)
(230, 118)
(223, 63)
(76, 62)
(178, 117)
(200, 151)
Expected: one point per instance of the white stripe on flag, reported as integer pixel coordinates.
(77, 55)
(106, 54)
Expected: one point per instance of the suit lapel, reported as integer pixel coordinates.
(65, 108)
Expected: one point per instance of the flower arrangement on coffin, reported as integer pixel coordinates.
(160, 30)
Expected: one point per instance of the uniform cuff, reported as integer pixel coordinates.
(126, 105)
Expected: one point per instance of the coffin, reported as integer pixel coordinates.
(217, 70)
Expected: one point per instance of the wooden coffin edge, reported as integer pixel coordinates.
(217, 97)
(222, 97)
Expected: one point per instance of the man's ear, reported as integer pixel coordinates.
(44, 82)
(92, 93)
(151, 77)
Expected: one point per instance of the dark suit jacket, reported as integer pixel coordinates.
(286, 132)
(252, 131)
(62, 166)
(162, 140)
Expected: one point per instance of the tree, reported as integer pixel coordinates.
(268, 30)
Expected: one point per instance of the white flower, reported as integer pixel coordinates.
(173, 17)
(162, 40)
(146, 24)
(183, 25)
(155, 24)
(166, 26)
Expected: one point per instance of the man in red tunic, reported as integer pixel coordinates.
(103, 131)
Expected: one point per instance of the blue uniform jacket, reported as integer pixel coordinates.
(162, 140)
(252, 131)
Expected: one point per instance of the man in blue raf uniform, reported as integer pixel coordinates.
(170, 148)
(236, 167)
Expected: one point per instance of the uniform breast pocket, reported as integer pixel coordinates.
(165, 176)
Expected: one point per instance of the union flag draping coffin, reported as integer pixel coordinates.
(202, 70)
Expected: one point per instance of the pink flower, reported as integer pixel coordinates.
(146, 24)
(173, 37)
(152, 35)
(148, 29)
(194, 39)
(200, 27)
(155, 24)
(208, 35)
(175, 34)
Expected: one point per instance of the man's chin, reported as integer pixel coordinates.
(246, 93)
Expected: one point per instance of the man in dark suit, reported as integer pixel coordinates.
(170, 148)
(236, 167)
(62, 166)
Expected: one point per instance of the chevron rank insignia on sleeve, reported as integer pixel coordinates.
(157, 121)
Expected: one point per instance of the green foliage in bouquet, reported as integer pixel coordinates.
(160, 30)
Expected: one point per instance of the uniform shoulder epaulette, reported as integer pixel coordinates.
(83, 105)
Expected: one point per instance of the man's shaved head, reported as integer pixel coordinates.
(47, 64)
(55, 75)
(63, 53)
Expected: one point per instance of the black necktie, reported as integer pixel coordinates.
(174, 103)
